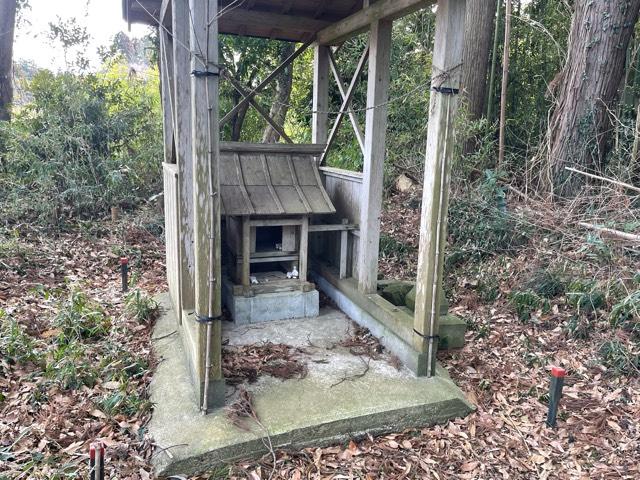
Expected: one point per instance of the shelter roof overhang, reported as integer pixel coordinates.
(328, 21)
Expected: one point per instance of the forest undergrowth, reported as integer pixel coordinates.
(535, 288)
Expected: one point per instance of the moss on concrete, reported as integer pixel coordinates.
(395, 292)
(452, 331)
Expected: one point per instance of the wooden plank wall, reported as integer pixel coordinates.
(171, 230)
(344, 189)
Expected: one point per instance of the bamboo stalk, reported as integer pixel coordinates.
(605, 179)
(612, 233)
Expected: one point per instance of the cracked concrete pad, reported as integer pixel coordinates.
(337, 400)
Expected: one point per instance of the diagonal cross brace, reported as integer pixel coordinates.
(272, 76)
(346, 102)
(343, 93)
(246, 96)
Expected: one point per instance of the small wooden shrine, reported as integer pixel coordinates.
(243, 207)
(268, 195)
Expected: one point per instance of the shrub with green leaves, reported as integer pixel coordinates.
(621, 357)
(585, 296)
(80, 319)
(547, 283)
(16, 345)
(481, 225)
(578, 327)
(141, 306)
(626, 314)
(83, 144)
(527, 302)
(71, 366)
(124, 403)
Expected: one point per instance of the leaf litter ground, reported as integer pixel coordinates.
(45, 429)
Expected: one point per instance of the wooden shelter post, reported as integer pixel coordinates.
(205, 144)
(166, 87)
(374, 144)
(320, 120)
(183, 148)
(446, 78)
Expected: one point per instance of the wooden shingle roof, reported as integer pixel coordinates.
(271, 179)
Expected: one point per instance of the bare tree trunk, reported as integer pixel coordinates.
(280, 106)
(494, 60)
(505, 84)
(7, 30)
(237, 121)
(581, 128)
(479, 21)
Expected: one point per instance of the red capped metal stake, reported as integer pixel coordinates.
(124, 271)
(96, 461)
(555, 393)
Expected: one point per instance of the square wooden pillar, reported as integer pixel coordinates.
(206, 198)
(446, 78)
(183, 148)
(374, 154)
(320, 120)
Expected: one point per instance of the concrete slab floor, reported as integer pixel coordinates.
(321, 409)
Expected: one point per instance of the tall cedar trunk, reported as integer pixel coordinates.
(580, 128)
(7, 29)
(283, 94)
(479, 22)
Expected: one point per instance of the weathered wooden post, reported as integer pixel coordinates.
(320, 119)
(183, 148)
(207, 241)
(374, 154)
(445, 85)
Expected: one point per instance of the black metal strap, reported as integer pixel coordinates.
(204, 73)
(427, 337)
(446, 90)
(207, 320)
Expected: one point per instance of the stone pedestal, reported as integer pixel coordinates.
(268, 307)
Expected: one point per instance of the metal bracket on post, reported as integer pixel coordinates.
(205, 73)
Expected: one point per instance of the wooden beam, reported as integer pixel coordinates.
(246, 253)
(304, 250)
(206, 198)
(346, 103)
(343, 93)
(278, 148)
(272, 76)
(182, 135)
(245, 95)
(344, 249)
(263, 21)
(320, 119)
(361, 21)
(446, 75)
(165, 8)
(375, 150)
(276, 222)
(339, 227)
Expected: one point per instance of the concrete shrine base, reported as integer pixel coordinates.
(343, 396)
